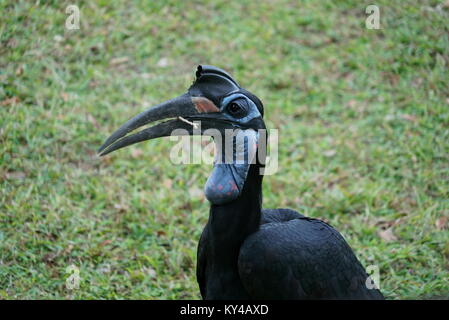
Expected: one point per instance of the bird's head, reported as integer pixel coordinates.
(221, 107)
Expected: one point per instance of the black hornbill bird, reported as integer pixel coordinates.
(246, 252)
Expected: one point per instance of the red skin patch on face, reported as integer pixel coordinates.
(204, 105)
(220, 187)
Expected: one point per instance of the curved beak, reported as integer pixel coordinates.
(176, 112)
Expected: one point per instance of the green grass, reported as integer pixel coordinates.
(364, 137)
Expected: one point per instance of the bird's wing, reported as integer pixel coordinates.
(301, 258)
(279, 215)
(201, 263)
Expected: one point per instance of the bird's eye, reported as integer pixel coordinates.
(234, 108)
(238, 108)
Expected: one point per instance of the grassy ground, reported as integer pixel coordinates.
(364, 137)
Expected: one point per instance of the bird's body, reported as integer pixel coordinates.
(246, 252)
(275, 254)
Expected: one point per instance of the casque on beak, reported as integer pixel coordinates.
(200, 103)
(204, 102)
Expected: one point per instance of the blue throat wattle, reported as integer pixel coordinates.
(231, 167)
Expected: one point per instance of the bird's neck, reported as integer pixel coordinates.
(231, 223)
